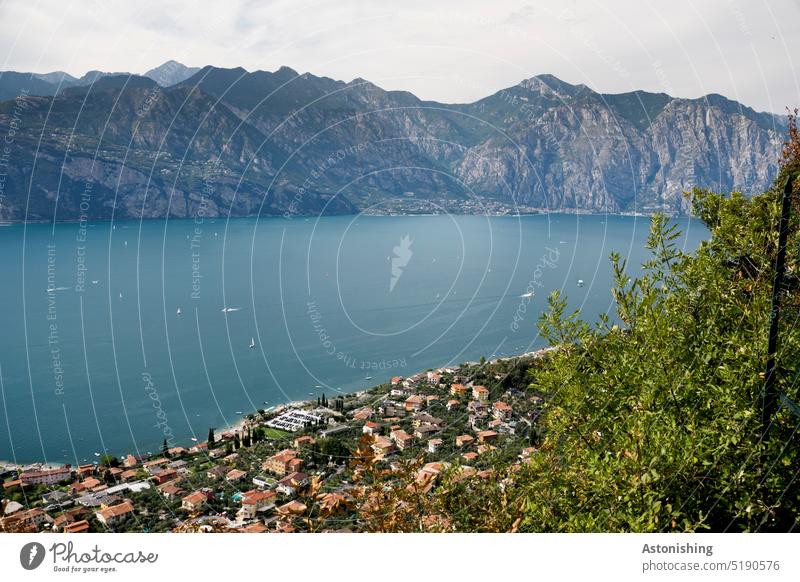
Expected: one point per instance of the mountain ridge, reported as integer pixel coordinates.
(269, 138)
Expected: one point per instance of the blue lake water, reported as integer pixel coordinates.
(94, 356)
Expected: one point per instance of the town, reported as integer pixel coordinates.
(295, 467)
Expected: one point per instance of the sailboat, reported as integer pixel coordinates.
(580, 283)
(252, 342)
(179, 311)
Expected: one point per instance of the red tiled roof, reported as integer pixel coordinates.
(117, 510)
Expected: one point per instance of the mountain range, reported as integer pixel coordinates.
(184, 142)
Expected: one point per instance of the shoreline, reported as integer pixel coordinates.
(240, 424)
(539, 212)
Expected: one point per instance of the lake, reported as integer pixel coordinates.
(95, 357)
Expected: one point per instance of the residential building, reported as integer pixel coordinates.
(293, 483)
(304, 441)
(195, 501)
(464, 440)
(434, 444)
(111, 516)
(254, 502)
(81, 526)
(402, 439)
(501, 410)
(382, 447)
(171, 490)
(47, 477)
(414, 403)
(217, 472)
(235, 475)
(164, 476)
(480, 393)
(371, 428)
(282, 463)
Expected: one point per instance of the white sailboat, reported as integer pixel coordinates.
(179, 311)
(252, 342)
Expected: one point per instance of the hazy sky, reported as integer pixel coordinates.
(452, 51)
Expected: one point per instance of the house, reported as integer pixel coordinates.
(304, 441)
(11, 484)
(425, 431)
(402, 439)
(480, 393)
(293, 483)
(32, 518)
(129, 474)
(57, 496)
(382, 447)
(486, 436)
(458, 390)
(217, 453)
(263, 482)
(434, 378)
(81, 526)
(414, 403)
(283, 463)
(115, 514)
(176, 451)
(12, 507)
(363, 413)
(195, 501)
(84, 470)
(469, 456)
(501, 410)
(115, 472)
(422, 418)
(235, 475)
(254, 502)
(434, 444)
(164, 476)
(217, 472)
(92, 483)
(397, 380)
(371, 428)
(151, 466)
(451, 405)
(476, 406)
(179, 465)
(464, 440)
(48, 477)
(130, 462)
(171, 490)
(431, 398)
(198, 448)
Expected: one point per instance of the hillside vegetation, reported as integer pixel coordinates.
(655, 423)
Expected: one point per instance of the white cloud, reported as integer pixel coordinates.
(448, 50)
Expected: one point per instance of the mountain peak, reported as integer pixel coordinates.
(171, 73)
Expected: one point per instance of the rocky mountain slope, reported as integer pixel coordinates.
(227, 141)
